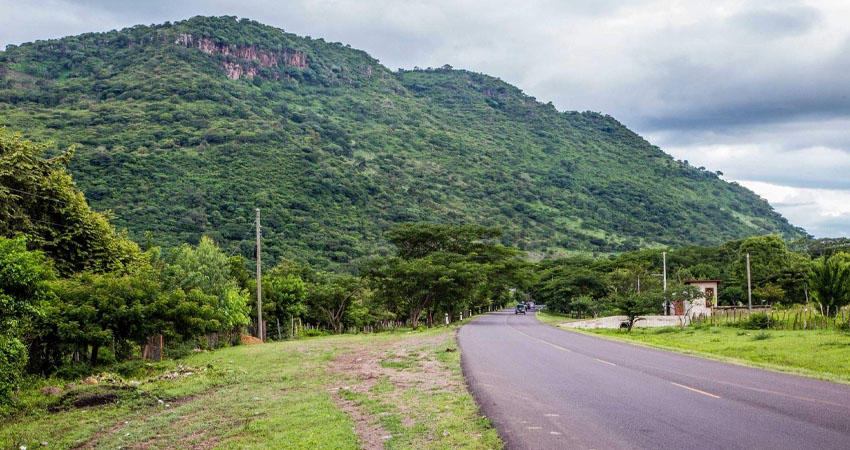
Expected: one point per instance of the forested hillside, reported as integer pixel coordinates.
(182, 129)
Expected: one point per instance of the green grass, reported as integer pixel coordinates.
(821, 354)
(554, 318)
(277, 395)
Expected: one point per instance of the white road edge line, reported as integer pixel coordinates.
(694, 390)
(605, 362)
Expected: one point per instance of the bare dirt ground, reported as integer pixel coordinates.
(392, 373)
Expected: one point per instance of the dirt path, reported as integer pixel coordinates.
(391, 373)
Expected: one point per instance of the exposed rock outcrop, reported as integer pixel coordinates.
(241, 59)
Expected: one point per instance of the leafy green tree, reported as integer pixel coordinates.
(284, 296)
(206, 268)
(23, 286)
(558, 285)
(444, 269)
(332, 296)
(99, 309)
(768, 256)
(38, 197)
(416, 240)
(635, 306)
(769, 293)
(584, 304)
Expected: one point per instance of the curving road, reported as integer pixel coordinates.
(547, 388)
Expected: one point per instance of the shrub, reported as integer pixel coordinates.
(74, 370)
(757, 321)
(313, 333)
(133, 368)
(761, 336)
(13, 358)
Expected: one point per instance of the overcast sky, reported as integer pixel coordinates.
(758, 89)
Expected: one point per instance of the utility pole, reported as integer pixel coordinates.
(260, 334)
(749, 286)
(664, 277)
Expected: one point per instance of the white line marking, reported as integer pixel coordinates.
(555, 433)
(605, 362)
(533, 428)
(694, 390)
(552, 415)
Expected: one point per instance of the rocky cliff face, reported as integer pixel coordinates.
(245, 60)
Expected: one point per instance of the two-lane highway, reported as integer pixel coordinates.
(546, 388)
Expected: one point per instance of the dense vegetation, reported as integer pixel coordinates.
(75, 295)
(806, 271)
(182, 129)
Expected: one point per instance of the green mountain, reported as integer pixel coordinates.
(182, 129)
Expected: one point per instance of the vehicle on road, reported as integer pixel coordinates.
(520, 309)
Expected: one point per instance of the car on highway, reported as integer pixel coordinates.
(520, 309)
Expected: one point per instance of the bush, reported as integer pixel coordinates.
(314, 333)
(136, 368)
(180, 349)
(761, 336)
(74, 370)
(757, 321)
(13, 358)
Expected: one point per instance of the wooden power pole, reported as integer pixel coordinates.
(749, 287)
(260, 331)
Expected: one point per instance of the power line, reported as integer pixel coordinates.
(53, 199)
(254, 222)
(42, 221)
(38, 196)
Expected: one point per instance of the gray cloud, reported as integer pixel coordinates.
(777, 23)
(755, 88)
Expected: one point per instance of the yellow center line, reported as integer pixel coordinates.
(538, 340)
(694, 390)
(605, 362)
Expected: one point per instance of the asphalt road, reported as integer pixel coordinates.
(547, 388)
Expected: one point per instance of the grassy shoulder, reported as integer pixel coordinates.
(554, 318)
(815, 353)
(335, 392)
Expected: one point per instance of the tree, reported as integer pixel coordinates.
(768, 256)
(332, 295)
(565, 281)
(38, 197)
(769, 293)
(635, 306)
(684, 294)
(206, 268)
(444, 269)
(416, 240)
(284, 295)
(23, 286)
(829, 279)
(96, 309)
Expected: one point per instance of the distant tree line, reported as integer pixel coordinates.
(804, 271)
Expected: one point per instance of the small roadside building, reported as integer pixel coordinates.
(702, 306)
